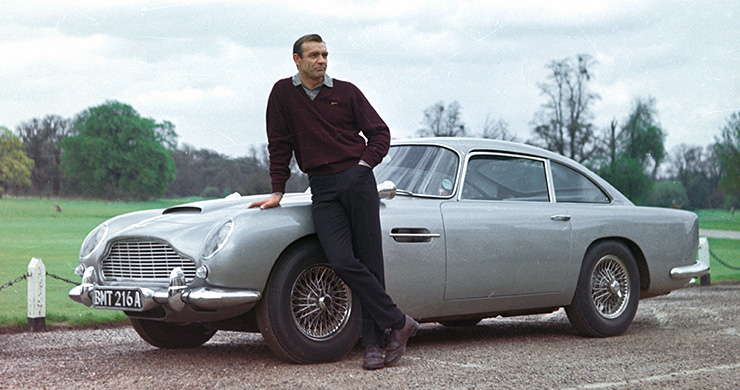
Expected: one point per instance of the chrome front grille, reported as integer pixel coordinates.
(145, 260)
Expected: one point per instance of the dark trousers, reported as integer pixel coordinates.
(347, 221)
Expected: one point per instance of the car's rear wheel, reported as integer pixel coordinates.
(307, 314)
(169, 336)
(607, 293)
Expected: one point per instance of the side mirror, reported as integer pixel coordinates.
(387, 190)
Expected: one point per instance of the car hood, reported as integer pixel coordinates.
(186, 226)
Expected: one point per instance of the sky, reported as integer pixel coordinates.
(209, 66)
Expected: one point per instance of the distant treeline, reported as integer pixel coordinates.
(111, 152)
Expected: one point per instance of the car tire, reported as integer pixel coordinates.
(607, 293)
(307, 314)
(171, 336)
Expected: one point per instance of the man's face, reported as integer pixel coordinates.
(313, 63)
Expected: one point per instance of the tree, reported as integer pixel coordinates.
(42, 143)
(443, 122)
(205, 172)
(628, 176)
(199, 170)
(563, 124)
(115, 153)
(642, 138)
(15, 166)
(497, 130)
(631, 157)
(668, 194)
(697, 169)
(728, 151)
(165, 133)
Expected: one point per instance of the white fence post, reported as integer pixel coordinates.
(704, 258)
(36, 295)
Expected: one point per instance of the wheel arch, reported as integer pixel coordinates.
(309, 238)
(642, 267)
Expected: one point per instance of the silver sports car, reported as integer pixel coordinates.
(472, 229)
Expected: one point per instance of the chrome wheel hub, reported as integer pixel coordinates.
(610, 287)
(321, 303)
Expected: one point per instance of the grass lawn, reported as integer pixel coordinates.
(31, 227)
(718, 220)
(728, 251)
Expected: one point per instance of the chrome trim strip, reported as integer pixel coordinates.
(474, 153)
(211, 299)
(458, 171)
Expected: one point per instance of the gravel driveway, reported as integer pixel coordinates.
(688, 339)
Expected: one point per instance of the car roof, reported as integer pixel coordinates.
(465, 145)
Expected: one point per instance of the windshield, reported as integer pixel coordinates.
(420, 169)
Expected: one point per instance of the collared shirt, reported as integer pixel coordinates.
(312, 93)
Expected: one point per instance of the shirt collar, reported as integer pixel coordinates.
(328, 81)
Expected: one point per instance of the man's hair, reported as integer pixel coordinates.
(298, 45)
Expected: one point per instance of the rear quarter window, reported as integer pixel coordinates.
(572, 186)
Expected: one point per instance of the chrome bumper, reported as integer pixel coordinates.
(695, 270)
(176, 296)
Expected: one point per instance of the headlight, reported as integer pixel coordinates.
(93, 240)
(217, 239)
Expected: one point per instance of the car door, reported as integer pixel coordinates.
(413, 232)
(504, 235)
(414, 251)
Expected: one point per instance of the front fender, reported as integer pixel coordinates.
(259, 237)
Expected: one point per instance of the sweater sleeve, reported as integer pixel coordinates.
(279, 142)
(374, 128)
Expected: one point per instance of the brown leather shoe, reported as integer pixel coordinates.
(372, 359)
(398, 339)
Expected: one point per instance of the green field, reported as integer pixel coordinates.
(719, 220)
(32, 227)
(729, 252)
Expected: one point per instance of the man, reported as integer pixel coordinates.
(319, 119)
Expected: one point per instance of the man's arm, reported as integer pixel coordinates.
(373, 127)
(280, 147)
(279, 141)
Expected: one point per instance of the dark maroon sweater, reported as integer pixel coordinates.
(324, 133)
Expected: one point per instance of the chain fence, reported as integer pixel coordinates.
(26, 276)
(57, 277)
(12, 282)
(722, 262)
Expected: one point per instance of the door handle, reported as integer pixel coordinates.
(561, 218)
(413, 235)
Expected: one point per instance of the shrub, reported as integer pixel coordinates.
(667, 194)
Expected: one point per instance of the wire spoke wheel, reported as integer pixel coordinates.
(321, 303)
(610, 286)
(608, 291)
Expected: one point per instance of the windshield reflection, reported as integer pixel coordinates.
(420, 169)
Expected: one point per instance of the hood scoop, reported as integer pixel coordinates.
(183, 210)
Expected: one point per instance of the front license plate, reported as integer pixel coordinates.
(117, 299)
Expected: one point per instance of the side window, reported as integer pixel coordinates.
(573, 187)
(505, 178)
